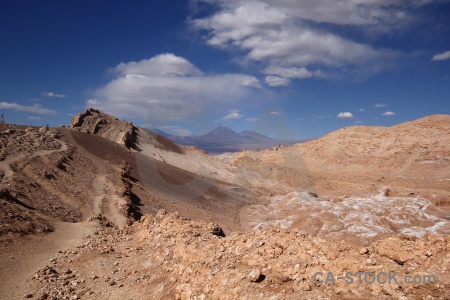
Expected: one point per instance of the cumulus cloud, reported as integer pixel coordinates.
(168, 87)
(54, 95)
(345, 115)
(165, 64)
(176, 130)
(442, 56)
(389, 113)
(276, 81)
(35, 109)
(232, 114)
(379, 105)
(275, 113)
(288, 37)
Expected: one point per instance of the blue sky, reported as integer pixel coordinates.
(286, 68)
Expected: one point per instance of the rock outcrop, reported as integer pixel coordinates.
(96, 122)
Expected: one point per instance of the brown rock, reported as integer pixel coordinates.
(363, 250)
(255, 276)
(306, 287)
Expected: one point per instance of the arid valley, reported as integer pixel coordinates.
(106, 210)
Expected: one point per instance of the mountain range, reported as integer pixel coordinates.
(223, 139)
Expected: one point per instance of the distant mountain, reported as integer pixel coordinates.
(222, 134)
(254, 135)
(223, 139)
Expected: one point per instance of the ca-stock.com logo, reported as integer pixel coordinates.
(328, 278)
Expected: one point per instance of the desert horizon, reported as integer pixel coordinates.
(103, 209)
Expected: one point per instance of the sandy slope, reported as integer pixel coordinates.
(187, 180)
(363, 182)
(409, 158)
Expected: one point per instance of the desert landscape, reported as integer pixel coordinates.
(102, 209)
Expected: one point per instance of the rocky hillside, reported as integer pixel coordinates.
(409, 159)
(359, 183)
(95, 122)
(412, 157)
(26, 182)
(167, 257)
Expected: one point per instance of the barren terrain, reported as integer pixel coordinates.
(106, 210)
(359, 182)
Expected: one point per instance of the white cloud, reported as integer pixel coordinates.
(376, 13)
(34, 118)
(345, 115)
(379, 105)
(389, 113)
(168, 87)
(54, 95)
(251, 82)
(276, 81)
(269, 32)
(359, 122)
(165, 64)
(251, 119)
(35, 109)
(442, 56)
(289, 72)
(275, 113)
(362, 110)
(287, 37)
(176, 130)
(232, 114)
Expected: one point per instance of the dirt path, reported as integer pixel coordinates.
(111, 207)
(5, 165)
(106, 201)
(99, 186)
(19, 260)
